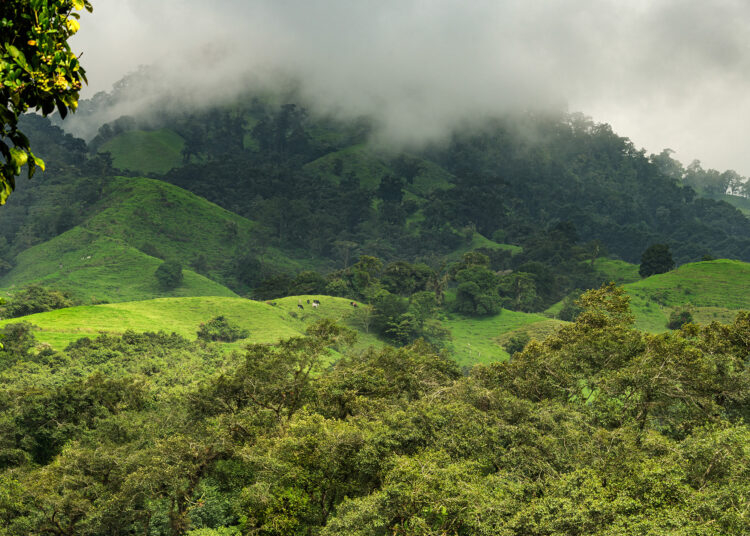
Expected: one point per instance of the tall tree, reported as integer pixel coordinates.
(657, 259)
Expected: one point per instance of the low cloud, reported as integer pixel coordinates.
(665, 73)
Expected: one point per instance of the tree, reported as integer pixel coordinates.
(169, 275)
(38, 71)
(477, 292)
(657, 259)
(221, 329)
(679, 318)
(519, 291)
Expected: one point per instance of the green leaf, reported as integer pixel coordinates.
(18, 56)
(18, 156)
(38, 161)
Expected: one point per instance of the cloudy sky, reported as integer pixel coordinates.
(665, 73)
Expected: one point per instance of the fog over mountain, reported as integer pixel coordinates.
(666, 73)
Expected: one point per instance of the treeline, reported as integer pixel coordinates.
(599, 430)
(552, 267)
(507, 179)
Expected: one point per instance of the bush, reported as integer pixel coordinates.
(17, 341)
(169, 275)
(677, 319)
(220, 329)
(517, 343)
(35, 299)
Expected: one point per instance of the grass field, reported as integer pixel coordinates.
(479, 340)
(473, 340)
(620, 272)
(95, 268)
(152, 151)
(715, 290)
(266, 323)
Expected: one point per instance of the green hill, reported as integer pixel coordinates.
(715, 290)
(620, 272)
(265, 322)
(138, 223)
(96, 268)
(142, 151)
(171, 223)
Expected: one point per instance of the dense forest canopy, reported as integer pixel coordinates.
(600, 429)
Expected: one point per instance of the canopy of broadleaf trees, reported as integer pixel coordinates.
(599, 430)
(38, 72)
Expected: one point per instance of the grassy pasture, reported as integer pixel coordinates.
(479, 340)
(265, 322)
(715, 290)
(146, 151)
(95, 268)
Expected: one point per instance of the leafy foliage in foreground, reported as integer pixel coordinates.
(598, 430)
(38, 71)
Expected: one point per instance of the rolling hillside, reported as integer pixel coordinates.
(165, 220)
(138, 223)
(480, 340)
(266, 323)
(712, 290)
(473, 340)
(715, 290)
(95, 268)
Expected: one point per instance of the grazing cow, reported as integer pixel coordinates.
(299, 306)
(308, 302)
(316, 302)
(315, 305)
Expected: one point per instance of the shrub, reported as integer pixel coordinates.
(517, 343)
(17, 340)
(169, 274)
(35, 299)
(220, 329)
(677, 319)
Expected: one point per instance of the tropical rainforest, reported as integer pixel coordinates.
(254, 319)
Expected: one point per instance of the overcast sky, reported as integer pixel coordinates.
(665, 73)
